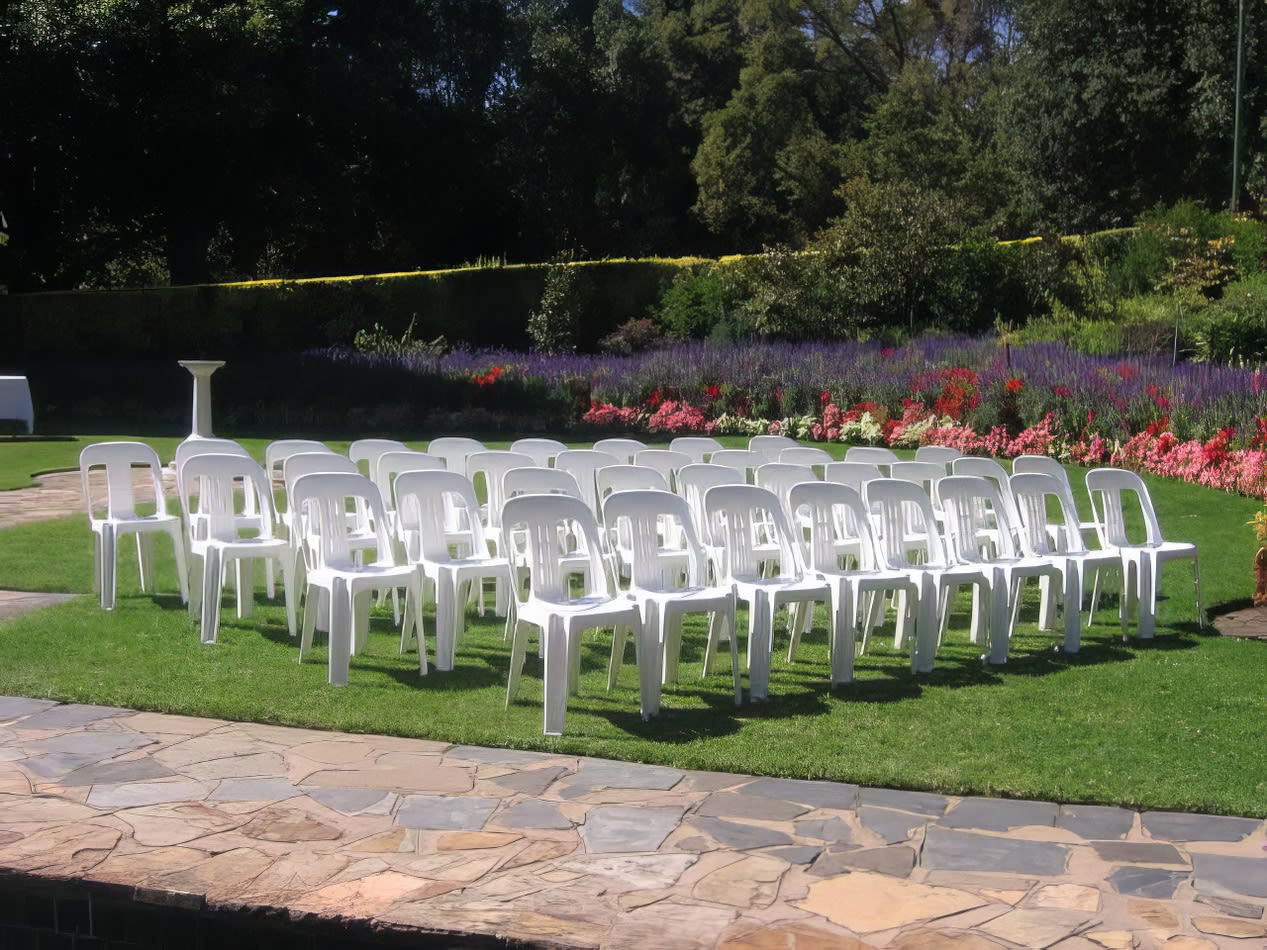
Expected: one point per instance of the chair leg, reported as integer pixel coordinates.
(760, 635)
(312, 599)
(413, 594)
(246, 586)
(288, 590)
(728, 620)
(145, 560)
(341, 633)
(620, 639)
(109, 568)
(413, 607)
(652, 635)
(556, 643)
(212, 586)
(1072, 607)
(182, 569)
(446, 612)
(1196, 583)
(518, 649)
(927, 625)
(844, 633)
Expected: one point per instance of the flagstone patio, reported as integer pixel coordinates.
(560, 851)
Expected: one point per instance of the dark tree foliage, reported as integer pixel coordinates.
(152, 141)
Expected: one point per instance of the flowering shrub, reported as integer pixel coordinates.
(603, 415)
(678, 418)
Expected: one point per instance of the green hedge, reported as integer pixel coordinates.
(480, 306)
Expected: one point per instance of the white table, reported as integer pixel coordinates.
(15, 401)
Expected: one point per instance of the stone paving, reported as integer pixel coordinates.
(560, 851)
(575, 852)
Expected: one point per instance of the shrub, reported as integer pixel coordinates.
(632, 336)
(1234, 330)
(694, 304)
(552, 325)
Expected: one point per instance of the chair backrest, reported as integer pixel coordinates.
(643, 516)
(230, 488)
(698, 447)
(835, 513)
(853, 474)
(614, 478)
(963, 498)
(426, 500)
(310, 463)
(278, 451)
(541, 451)
(454, 450)
(806, 455)
(490, 466)
(1107, 488)
(623, 449)
(1031, 494)
(584, 464)
(903, 513)
(117, 459)
(665, 461)
(1023, 464)
(192, 447)
(771, 445)
(927, 474)
(744, 514)
(537, 519)
(539, 481)
(941, 454)
(321, 502)
(872, 455)
(368, 451)
(392, 464)
(742, 461)
(779, 477)
(693, 481)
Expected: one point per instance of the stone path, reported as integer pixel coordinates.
(575, 852)
(1250, 623)
(560, 851)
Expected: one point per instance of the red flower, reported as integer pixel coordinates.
(654, 399)
(1014, 385)
(824, 397)
(713, 391)
(1062, 391)
(487, 379)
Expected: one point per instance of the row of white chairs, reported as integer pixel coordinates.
(744, 569)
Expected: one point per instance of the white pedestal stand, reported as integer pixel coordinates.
(201, 371)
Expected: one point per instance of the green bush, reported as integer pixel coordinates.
(694, 304)
(1234, 330)
(553, 324)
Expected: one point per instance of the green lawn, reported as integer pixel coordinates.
(1175, 723)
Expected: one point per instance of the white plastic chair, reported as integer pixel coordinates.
(693, 483)
(541, 451)
(623, 449)
(368, 451)
(962, 498)
(810, 455)
(872, 455)
(737, 511)
(1141, 560)
(664, 461)
(488, 467)
(1060, 542)
(625, 478)
(583, 465)
(116, 461)
(779, 477)
(391, 464)
(771, 445)
(837, 518)
(698, 447)
(742, 461)
(229, 488)
(422, 500)
(940, 454)
(987, 529)
(207, 446)
(277, 452)
(454, 449)
(542, 481)
(897, 505)
(641, 515)
(1045, 465)
(853, 474)
(549, 604)
(337, 568)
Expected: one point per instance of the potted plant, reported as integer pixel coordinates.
(1259, 524)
